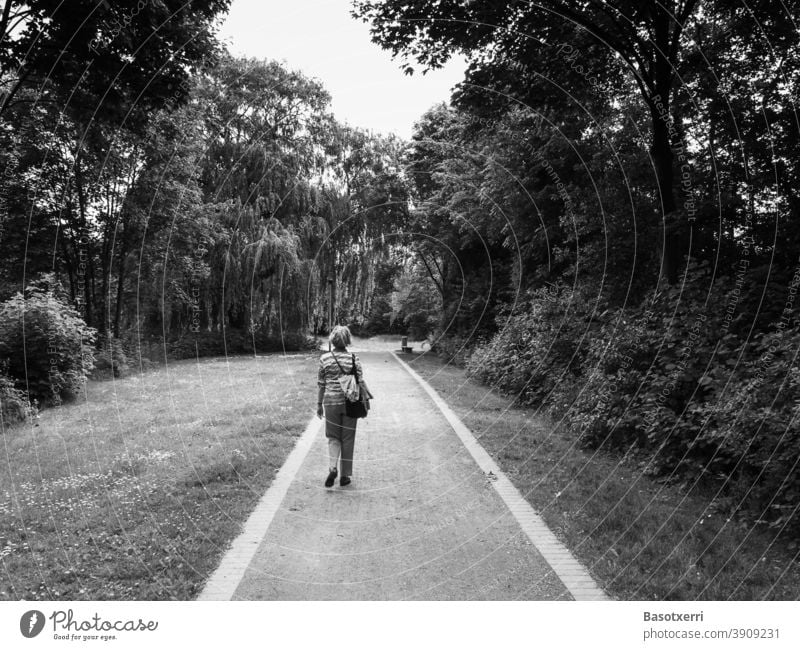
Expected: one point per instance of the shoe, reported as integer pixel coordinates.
(331, 478)
(345, 480)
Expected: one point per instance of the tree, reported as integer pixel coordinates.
(78, 88)
(459, 235)
(365, 173)
(264, 131)
(121, 54)
(652, 40)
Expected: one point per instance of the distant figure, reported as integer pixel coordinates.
(340, 430)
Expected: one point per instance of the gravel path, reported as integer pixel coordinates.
(419, 521)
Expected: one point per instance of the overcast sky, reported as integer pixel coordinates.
(320, 38)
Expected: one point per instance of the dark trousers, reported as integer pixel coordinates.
(341, 432)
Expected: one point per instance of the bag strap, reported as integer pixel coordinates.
(337, 363)
(353, 372)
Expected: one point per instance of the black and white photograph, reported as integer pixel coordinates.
(314, 311)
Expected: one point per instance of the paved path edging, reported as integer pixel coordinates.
(568, 569)
(223, 582)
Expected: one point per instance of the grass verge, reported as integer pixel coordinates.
(640, 538)
(135, 491)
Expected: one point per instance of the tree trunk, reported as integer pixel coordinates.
(104, 305)
(661, 152)
(84, 255)
(120, 292)
(332, 296)
(269, 310)
(661, 149)
(449, 294)
(62, 243)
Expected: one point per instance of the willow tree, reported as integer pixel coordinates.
(368, 208)
(264, 129)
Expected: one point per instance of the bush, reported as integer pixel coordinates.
(413, 305)
(14, 404)
(46, 345)
(679, 377)
(208, 344)
(536, 348)
(419, 325)
(644, 369)
(261, 343)
(454, 349)
(110, 358)
(379, 320)
(751, 440)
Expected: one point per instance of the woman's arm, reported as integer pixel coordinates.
(320, 387)
(321, 394)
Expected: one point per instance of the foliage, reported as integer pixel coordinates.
(452, 349)
(379, 320)
(537, 346)
(414, 303)
(583, 58)
(233, 342)
(14, 404)
(226, 209)
(676, 378)
(47, 347)
(110, 358)
(126, 55)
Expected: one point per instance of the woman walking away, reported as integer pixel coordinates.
(340, 430)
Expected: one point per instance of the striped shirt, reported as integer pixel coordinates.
(329, 373)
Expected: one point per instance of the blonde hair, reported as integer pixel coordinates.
(340, 336)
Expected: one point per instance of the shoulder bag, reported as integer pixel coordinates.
(354, 404)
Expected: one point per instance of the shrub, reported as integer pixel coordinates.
(48, 348)
(536, 348)
(454, 349)
(704, 402)
(143, 352)
(110, 358)
(14, 404)
(207, 344)
(261, 343)
(413, 305)
(751, 440)
(419, 325)
(681, 377)
(379, 320)
(644, 367)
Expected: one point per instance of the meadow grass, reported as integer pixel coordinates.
(135, 490)
(641, 538)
